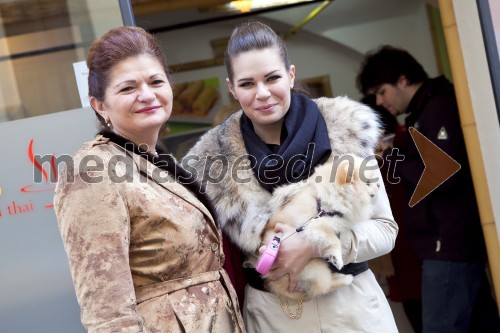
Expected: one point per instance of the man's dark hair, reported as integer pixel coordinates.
(386, 65)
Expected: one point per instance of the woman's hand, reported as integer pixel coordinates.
(293, 255)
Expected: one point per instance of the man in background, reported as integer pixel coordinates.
(443, 228)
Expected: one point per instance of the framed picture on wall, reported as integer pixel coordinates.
(318, 86)
(196, 101)
(489, 14)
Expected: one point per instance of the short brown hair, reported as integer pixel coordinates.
(116, 45)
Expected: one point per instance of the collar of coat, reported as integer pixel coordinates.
(429, 89)
(167, 163)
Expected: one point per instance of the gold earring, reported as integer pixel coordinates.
(108, 122)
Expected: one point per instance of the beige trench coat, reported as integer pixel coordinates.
(144, 253)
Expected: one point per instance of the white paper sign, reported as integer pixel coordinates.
(81, 74)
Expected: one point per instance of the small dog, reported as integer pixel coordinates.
(324, 206)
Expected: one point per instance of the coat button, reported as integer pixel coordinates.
(214, 247)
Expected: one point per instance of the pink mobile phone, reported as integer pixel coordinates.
(267, 258)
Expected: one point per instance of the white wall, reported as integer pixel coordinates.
(409, 31)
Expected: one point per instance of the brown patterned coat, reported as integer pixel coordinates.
(144, 253)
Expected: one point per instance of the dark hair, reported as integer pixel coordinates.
(249, 36)
(386, 65)
(116, 45)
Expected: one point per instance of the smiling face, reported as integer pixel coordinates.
(138, 99)
(261, 83)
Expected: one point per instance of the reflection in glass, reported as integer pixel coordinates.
(39, 42)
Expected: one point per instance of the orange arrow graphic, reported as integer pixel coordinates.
(439, 166)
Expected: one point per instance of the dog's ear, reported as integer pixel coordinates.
(343, 175)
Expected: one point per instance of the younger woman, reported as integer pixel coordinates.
(277, 138)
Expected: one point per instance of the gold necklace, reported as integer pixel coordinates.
(286, 310)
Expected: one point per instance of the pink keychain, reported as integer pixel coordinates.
(267, 258)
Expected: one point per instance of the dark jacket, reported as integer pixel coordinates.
(445, 225)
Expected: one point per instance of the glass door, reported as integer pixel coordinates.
(39, 42)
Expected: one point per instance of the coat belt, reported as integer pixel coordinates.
(148, 292)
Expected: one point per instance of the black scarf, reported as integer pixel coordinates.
(305, 144)
(166, 162)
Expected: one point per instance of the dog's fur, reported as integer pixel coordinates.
(340, 189)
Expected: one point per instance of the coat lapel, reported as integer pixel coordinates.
(162, 178)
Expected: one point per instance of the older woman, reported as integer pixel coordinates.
(144, 251)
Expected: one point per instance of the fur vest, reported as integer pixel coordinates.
(220, 161)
